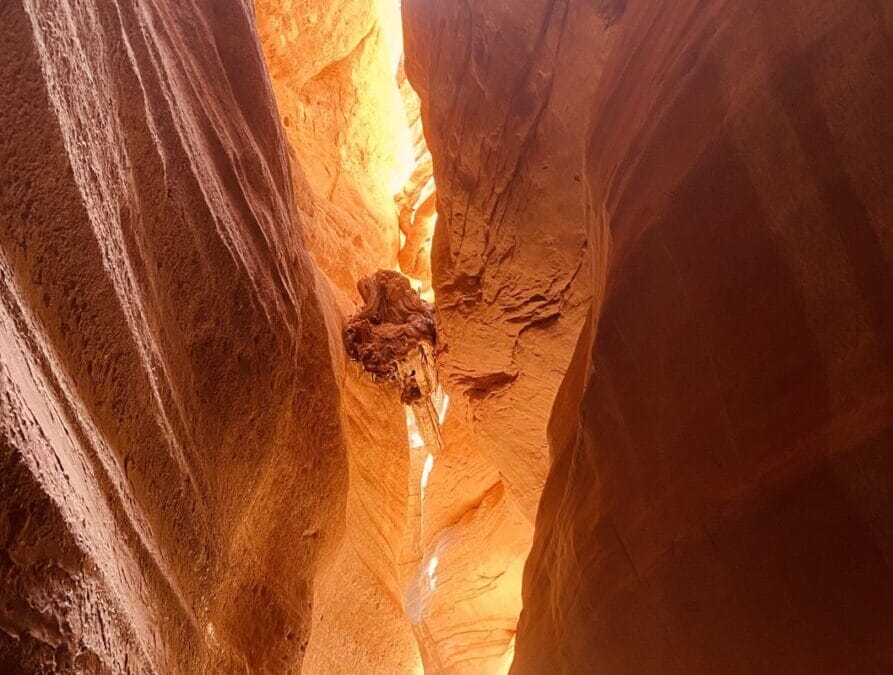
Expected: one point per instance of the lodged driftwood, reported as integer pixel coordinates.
(393, 335)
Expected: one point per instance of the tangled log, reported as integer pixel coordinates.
(393, 335)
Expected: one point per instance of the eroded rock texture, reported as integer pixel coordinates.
(721, 496)
(465, 600)
(359, 625)
(334, 67)
(367, 186)
(170, 439)
(336, 73)
(504, 104)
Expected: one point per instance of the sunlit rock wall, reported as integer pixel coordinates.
(336, 71)
(722, 494)
(504, 102)
(334, 67)
(359, 624)
(170, 439)
(464, 595)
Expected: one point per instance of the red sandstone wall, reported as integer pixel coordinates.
(504, 104)
(723, 502)
(170, 439)
(174, 415)
(505, 91)
(719, 499)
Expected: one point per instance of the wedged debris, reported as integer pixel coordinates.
(393, 335)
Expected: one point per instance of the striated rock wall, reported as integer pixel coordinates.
(465, 598)
(382, 607)
(720, 499)
(170, 439)
(504, 102)
(358, 620)
(192, 479)
(335, 68)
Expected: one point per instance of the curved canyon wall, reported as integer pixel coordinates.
(170, 437)
(721, 500)
(335, 69)
(435, 534)
(504, 106)
(670, 219)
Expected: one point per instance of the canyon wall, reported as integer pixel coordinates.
(671, 219)
(359, 623)
(432, 532)
(173, 465)
(504, 107)
(721, 499)
(504, 104)
(334, 68)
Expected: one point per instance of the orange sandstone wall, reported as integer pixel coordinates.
(721, 498)
(511, 292)
(335, 72)
(504, 104)
(334, 67)
(359, 624)
(505, 93)
(170, 437)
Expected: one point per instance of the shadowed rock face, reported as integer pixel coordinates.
(720, 498)
(163, 498)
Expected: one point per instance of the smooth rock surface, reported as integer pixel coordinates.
(679, 210)
(721, 499)
(464, 597)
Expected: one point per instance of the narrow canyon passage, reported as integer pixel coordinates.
(458, 337)
(435, 543)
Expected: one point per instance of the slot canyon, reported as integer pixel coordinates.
(456, 337)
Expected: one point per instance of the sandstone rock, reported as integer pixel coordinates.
(162, 349)
(464, 598)
(720, 499)
(194, 477)
(335, 69)
(504, 106)
(358, 621)
(348, 116)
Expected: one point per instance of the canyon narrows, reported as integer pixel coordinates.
(658, 436)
